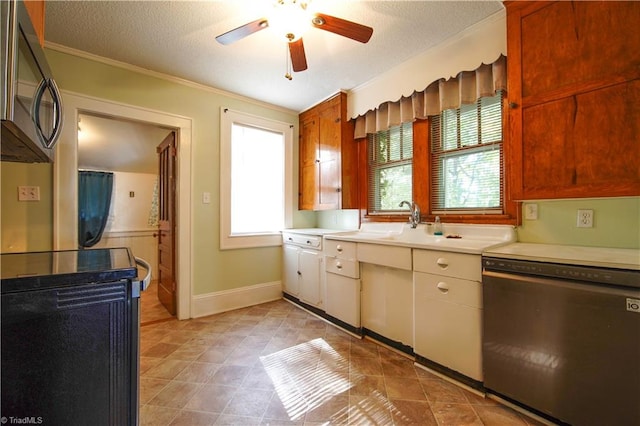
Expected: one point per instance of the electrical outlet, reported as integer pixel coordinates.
(28, 193)
(531, 211)
(585, 218)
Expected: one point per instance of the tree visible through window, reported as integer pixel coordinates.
(466, 158)
(390, 168)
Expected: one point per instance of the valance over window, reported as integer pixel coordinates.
(466, 88)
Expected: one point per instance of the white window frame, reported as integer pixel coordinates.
(228, 240)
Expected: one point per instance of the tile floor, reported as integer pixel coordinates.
(151, 309)
(275, 364)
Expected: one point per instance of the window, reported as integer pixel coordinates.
(390, 168)
(466, 158)
(255, 185)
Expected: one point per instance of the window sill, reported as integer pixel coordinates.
(488, 219)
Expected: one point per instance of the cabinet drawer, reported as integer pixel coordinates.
(302, 240)
(346, 267)
(343, 249)
(458, 265)
(447, 289)
(391, 256)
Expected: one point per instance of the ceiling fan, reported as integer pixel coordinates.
(292, 18)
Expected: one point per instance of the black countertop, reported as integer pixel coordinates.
(41, 270)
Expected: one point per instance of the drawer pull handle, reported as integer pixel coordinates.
(339, 248)
(442, 262)
(443, 287)
(338, 265)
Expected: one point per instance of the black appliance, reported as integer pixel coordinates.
(563, 339)
(70, 336)
(30, 102)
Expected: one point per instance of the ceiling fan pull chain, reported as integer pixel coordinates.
(287, 74)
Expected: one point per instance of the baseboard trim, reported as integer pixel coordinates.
(227, 300)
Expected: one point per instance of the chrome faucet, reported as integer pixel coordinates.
(414, 219)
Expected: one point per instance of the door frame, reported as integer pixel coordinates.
(65, 181)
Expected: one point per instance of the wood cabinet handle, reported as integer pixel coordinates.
(338, 265)
(513, 105)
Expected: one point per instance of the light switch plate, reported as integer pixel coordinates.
(28, 193)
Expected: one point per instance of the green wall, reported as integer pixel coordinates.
(616, 223)
(26, 225)
(213, 270)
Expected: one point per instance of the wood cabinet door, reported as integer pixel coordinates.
(309, 170)
(573, 89)
(583, 146)
(329, 155)
(568, 44)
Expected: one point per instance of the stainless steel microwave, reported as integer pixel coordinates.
(30, 100)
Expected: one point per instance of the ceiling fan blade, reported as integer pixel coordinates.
(243, 31)
(298, 57)
(345, 28)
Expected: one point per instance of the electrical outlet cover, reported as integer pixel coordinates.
(585, 219)
(28, 193)
(531, 211)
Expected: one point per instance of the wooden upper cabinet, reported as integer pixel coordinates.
(574, 91)
(327, 151)
(35, 9)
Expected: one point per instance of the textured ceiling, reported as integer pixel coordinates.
(177, 38)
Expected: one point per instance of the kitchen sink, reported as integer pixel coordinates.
(463, 238)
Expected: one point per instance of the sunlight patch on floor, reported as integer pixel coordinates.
(307, 375)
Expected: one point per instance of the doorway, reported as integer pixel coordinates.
(65, 180)
(126, 151)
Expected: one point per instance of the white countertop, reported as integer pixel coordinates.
(313, 231)
(573, 255)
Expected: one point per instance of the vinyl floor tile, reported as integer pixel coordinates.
(275, 364)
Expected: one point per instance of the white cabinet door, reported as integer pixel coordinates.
(310, 265)
(343, 298)
(448, 327)
(291, 273)
(387, 302)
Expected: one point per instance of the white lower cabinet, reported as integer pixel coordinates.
(448, 315)
(387, 302)
(291, 284)
(343, 298)
(342, 282)
(302, 274)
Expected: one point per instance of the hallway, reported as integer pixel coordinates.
(152, 310)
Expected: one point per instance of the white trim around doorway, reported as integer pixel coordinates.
(65, 181)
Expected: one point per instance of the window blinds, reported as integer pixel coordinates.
(466, 158)
(390, 168)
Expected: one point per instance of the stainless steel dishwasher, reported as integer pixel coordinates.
(563, 339)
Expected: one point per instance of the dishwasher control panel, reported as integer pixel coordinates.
(600, 275)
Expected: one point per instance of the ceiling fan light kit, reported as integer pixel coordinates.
(292, 18)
